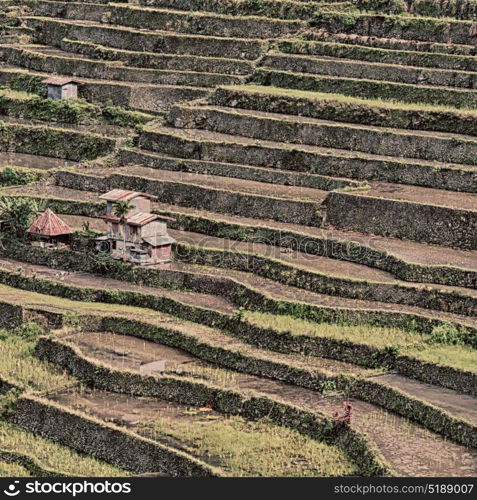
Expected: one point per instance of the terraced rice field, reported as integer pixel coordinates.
(319, 163)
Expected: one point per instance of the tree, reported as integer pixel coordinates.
(17, 214)
(121, 209)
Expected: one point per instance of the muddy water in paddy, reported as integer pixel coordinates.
(409, 448)
(186, 428)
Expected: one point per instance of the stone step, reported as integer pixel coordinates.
(218, 147)
(392, 43)
(143, 97)
(129, 156)
(407, 260)
(136, 16)
(405, 27)
(172, 62)
(51, 31)
(281, 9)
(368, 89)
(226, 195)
(340, 67)
(406, 212)
(385, 53)
(347, 109)
(50, 60)
(384, 141)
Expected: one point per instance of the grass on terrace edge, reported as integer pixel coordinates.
(13, 470)
(411, 343)
(52, 455)
(345, 99)
(18, 364)
(419, 345)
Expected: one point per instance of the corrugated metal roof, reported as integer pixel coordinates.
(61, 80)
(49, 224)
(141, 219)
(124, 195)
(119, 195)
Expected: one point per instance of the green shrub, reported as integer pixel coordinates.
(13, 176)
(445, 334)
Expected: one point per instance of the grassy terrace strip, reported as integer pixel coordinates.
(369, 89)
(143, 97)
(373, 54)
(135, 16)
(32, 57)
(398, 218)
(281, 9)
(342, 163)
(459, 9)
(240, 294)
(193, 195)
(314, 281)
(14, 176)
(52, 32)
(425, 29)
(327, 134)
(446, 301)
(29, 463)
(18, 365)
(369, 354)
(175, 62)
(59, 143)
(44, 458)
(227, 401)
(104, 441)
(387, 72)
(347, 109)
(128, 156)
(31, 106)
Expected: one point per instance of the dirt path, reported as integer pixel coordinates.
(33, 161)
(407, 446)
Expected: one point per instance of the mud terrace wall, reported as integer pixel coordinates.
(103, 441)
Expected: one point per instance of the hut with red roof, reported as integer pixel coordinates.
(49, 230)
